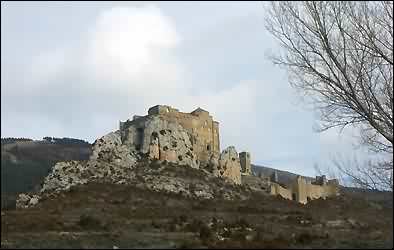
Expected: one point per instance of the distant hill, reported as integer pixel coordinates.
(284, 177)
(26, 162)
(9, 140)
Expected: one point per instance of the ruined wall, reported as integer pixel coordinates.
(308, 191)
(276, 189)
(256, 183)
(303, 191)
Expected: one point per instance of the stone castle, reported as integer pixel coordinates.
(186, 139)
(203, 131)
(166, 134)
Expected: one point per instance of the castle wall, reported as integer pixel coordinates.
(244, 158)
(302, 191)
(256, 183)
(276, 189)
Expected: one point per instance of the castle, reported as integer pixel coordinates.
(166, 134)
(199, 124)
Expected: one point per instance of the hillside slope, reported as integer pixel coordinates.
(24, 164)
(102, 215)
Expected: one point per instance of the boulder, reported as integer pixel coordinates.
(22, 200)
(229, 165)
(34, 200)
(25, 200)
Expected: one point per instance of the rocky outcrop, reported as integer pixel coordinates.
(67, 174)
(110, 161)
(188, 182)
(229, 165)
(25, 200)
(163, 140)
(142, 144)
(113, 160)
(110, 148)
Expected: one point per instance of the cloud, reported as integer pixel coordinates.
(112, 63)
(122, 65)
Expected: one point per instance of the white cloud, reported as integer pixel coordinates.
(129, 42)
(128, 59)
(124, 64)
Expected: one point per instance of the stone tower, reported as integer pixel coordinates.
(244, 158)
(274, 176)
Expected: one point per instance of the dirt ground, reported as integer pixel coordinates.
(104, 216)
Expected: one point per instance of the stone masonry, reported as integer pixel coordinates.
(244, 158)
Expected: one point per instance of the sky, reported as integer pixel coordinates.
(75, 69)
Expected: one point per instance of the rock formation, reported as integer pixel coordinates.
(229, 165)
(178, 138)
(25, 200)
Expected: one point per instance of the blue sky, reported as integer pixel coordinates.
(74, 69)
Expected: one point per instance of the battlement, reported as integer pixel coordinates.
(303, 190)
(161, 109)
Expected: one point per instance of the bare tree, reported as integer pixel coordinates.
(340, 54)
(368, 175)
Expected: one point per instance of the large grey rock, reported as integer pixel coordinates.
(229, 165)
(22, 200)
(109, 148)
(25, 200)
(163, 140)
(119, 156)
(64, 175)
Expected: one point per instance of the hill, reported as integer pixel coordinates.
(25, 162)
(167, 205)
(98, 215)
(284, 177)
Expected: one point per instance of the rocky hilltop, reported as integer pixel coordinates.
(123, 156)
(161, 181)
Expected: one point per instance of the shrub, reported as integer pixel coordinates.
(304, 237)
(155, 224)
(194, 226)
(88, 221)
(242, 223)
(182, 218)
(205, 232)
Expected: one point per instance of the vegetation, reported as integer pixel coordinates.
(9, 140)
(65, 140)
(25, 165)
(340, 55)
(101, 216)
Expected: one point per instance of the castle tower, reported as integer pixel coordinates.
(274, 176)
(244, 158)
